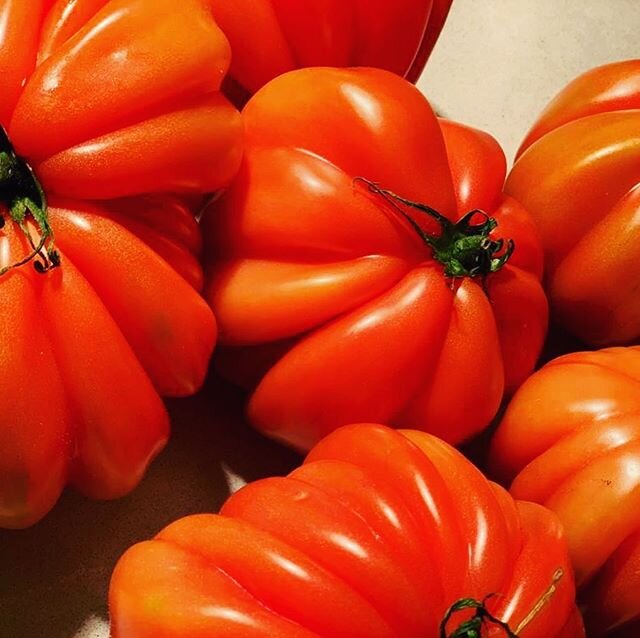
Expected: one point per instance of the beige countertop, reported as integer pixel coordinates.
(497, 64)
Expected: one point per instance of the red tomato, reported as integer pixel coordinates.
(570, 440)
(105, 108)
(331, 295)
(271, 37)
(578, 174)
(377, 534)
(277, 36)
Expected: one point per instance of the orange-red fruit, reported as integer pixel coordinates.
(374, 536)
(570, 440)
(578, 174)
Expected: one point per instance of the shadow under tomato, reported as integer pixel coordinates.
(55, 575)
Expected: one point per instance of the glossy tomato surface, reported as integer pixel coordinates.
(377, 534)
(118, 113)
(578, 174)
(272, 37)
(330, 302)
(570, 440)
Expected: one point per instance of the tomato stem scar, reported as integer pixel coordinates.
(23, 196)
(465, 247)
(543, 600)
(472, 627)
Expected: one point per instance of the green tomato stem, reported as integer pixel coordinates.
(472, 628)
(465, 247)
(22, 194)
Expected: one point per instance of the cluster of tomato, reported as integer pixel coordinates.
(364, 263)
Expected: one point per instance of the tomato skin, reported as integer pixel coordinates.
(577, 173)
(611, 87)
(376, 534)
(277, 36)
(109, 139)
(272, 37)
(579, 455)
(326, 288)
(90, 347)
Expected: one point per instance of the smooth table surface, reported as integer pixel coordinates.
(54, 576)
(496, 65)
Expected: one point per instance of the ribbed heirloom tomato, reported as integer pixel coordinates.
(339, 301)
(579, 175)
(570, 440)
(377, 534)
(100, 312)
(271, 37)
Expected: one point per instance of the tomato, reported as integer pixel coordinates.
(277, 36)
(578, 174)
(377, 534)
(271, 37)
(570, 440)
(328, 290)
(103, 120)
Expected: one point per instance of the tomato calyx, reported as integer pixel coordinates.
(21, 193)
(465, 247)
(472, 627)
